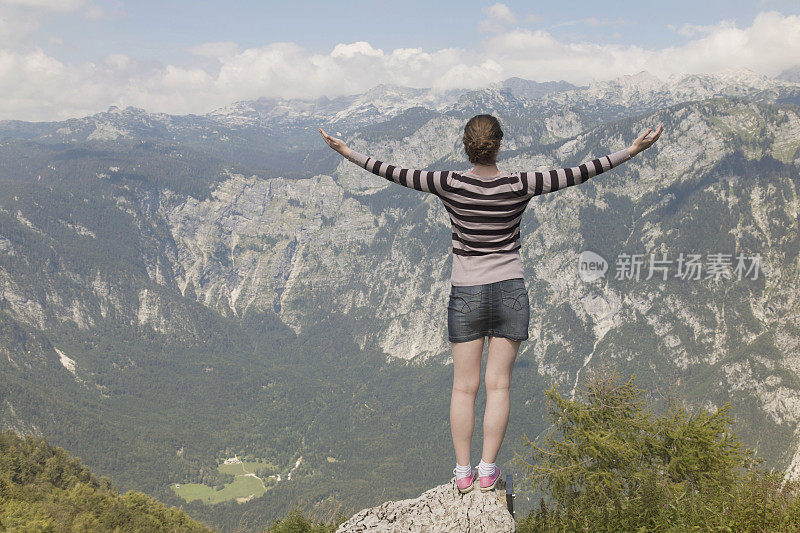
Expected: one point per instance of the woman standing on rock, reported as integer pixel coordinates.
(488, 296)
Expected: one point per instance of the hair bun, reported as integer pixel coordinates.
(482, 137)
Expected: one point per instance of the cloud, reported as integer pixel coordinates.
(216, 50)
(694, 30)
(96, 12)
(596, 22)
(58, 6)
(91, 9)
(498, 17)
(770, 45)
(37, 86)
(15, 27)
(360, 48)
(21, 19)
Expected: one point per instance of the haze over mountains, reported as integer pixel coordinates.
(180, 289)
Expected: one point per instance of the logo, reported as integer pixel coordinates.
(591, 266)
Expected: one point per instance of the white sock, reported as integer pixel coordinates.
(463, 471)
(485, 469)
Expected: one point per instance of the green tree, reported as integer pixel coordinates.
(608, 463)
(296, 522)
(42, 488)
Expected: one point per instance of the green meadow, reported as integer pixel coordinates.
(248, 467)
(246, 484)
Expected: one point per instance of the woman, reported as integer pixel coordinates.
(488, 296)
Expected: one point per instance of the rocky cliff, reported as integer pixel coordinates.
(441, 509)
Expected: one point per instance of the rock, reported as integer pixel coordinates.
(441, 509)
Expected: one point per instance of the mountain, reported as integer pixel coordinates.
(532, 90)
(790, 74)
(381, 102)
(176, 291)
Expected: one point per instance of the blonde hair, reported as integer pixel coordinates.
(482, 136)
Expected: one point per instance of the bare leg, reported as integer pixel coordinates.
(500, 363)
(466, 381)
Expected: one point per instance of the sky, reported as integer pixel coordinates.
(70, 58)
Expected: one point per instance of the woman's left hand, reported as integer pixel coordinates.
(643, 142)
(337, 144)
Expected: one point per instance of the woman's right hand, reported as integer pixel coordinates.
(643, 142)
(337, 144)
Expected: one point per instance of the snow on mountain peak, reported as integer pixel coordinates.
(626, 85)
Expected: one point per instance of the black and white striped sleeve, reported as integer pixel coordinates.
(553, 180)
(421, 180)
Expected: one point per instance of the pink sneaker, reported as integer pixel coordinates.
(465, 483)
(487, 483)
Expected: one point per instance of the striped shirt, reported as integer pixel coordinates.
(485, 213)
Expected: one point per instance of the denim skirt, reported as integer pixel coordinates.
(499, 309)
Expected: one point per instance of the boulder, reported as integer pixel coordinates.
(441, 509)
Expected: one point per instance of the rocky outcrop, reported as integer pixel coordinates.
(441, 509)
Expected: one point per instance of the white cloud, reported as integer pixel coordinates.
(20, 19)
(15, 27)
(117, 61)
(54, 6)
(694, 30)
(362, 48)
(470, 77)
(596, 22)
(498, 17)
(37, 86)
(770, 45)
(215, 50)
(93, 12)
(91, 9)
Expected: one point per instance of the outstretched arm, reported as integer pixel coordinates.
(421, 180)
(553, 180)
